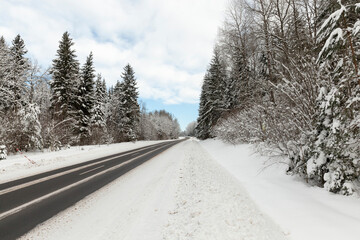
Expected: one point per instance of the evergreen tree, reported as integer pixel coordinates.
(24, 128)
(19, 71)
(334, 145)
(19, 117)
(99, 112)
(86, 98)
(129, 105)
(213, 98)
(204, 119)
(64, 86)
(100, 102)
(6, 95)
(239, 88)
(115, 112)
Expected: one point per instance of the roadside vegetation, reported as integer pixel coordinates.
(285, 75)
(70, 104)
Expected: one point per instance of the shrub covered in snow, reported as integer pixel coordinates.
(3, 153)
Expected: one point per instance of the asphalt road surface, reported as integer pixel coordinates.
(26, 202)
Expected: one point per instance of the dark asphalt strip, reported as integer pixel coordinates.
(18, 197)
(17, 224)
(52, 172)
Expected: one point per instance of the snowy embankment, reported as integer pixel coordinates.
(25, 164)
(307, 213)
(180, 194)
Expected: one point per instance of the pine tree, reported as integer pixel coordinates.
(203, 128)
(19, 71)
(99, 112)
(6, 95)
(240, 91)
(115, 112)
(334, 147)
(64, 86)
(100, 102)
(129, 104)
(20, 116)
(86, 101)
(213, 98)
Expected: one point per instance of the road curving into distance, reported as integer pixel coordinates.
(27, 202)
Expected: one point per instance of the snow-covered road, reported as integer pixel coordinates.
(180, 194)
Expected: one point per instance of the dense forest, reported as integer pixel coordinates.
(69, 104)
(285, 75)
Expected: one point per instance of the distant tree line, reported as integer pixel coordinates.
(69, 104)
(191, 129)
(285, 73)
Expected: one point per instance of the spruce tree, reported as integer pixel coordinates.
(332, 162)
(129, 104)
(213, 98)
(19, 117)
(24, 129)
(6, 95)
(204, 120)
(19, 71)
(99, 113)
(115, 112)
(100, 102)
(86, 101)
(239, 91)
(64, 86)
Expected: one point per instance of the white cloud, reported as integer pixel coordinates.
(168, 42)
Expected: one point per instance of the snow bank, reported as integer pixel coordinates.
(305, 212)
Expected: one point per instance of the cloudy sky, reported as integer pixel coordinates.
(168, 42)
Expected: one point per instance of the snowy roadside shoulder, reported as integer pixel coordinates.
(305, 212)
(30, 163)
(211, 204)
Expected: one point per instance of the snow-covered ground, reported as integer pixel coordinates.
(198, 190)
(180, 194)
(306, 213)
(211, 204)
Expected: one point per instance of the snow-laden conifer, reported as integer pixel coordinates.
(5, 76)
(64, 86)
(129, 105)
(19, 71)
(86, 101)
(213, 97)
(98, 122)
(115, 112)
(335, 147)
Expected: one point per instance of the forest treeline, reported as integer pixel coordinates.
(69, 104)
(285, 74)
